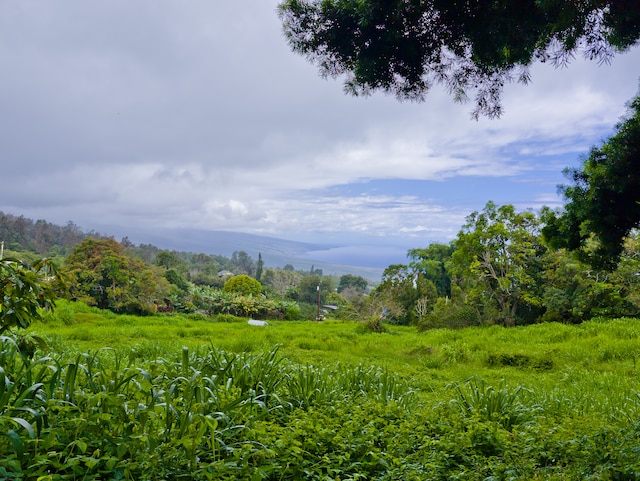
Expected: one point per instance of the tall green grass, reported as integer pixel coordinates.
(178, 397)
(101, 412)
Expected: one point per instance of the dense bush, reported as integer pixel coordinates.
(103, 274)
(243, 285)
(450, 314)
(215, 301)
(25, 290)
(213, 415)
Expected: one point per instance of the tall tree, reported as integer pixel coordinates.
(404, 47)
(573, 292)
(432, 263)
(170, 260)
(102, 274)
(497, 253)
(243, 263)
(404, 287)
(603, 204)
(259, 267)
(283, 281)
(350, 280)
(308, 288)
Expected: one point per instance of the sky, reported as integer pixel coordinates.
(123, 115)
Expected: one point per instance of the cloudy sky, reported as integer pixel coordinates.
(146, 114)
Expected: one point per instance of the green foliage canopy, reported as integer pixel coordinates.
(259, 267)
(400, 290)
(404, 47)
(574, 292)
(24, 290)
(40, 236)
(497, 253)
(104, 275)
(243, 262)
(350, 280)
(243, 285)
(308, 288)
(281, 282)
(432, 263)
(603, 204)
(501, 272)
(170, 260)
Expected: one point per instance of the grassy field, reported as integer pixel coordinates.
(541, 354)
(183, 397)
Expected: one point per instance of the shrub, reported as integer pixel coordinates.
(453, 315)
(503, 405)
(292, 312)
(243, 285)
(519, 360)
(308, 311)
(373, 324)
(24, 290)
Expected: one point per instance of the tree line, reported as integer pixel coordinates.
(144, 279)
(41, 237)
(500, 269)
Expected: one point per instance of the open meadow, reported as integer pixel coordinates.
(184, 397)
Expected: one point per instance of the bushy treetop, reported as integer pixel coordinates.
(603, 202)
(404, 47)
(243, 285)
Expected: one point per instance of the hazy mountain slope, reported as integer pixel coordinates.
(332, 259)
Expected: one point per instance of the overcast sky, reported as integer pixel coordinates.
(166, 113)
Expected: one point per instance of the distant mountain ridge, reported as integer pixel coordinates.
(275, 252)
(368, 261)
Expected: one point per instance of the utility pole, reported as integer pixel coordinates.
(1, 250)
(318, 317)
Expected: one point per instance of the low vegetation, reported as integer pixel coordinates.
(106, 396)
